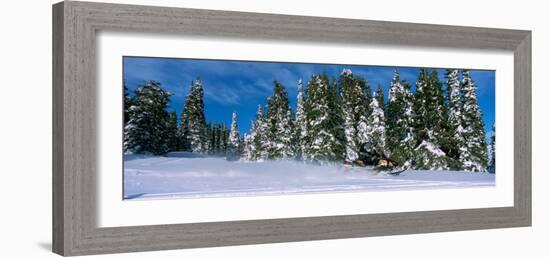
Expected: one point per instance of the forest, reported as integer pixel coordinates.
(430, 125)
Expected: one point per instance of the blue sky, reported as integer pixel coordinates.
(241, 85)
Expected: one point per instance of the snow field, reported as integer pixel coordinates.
(187, 175)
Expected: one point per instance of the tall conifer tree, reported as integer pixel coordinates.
(429, 120)
(300, 122)
(492, 152)
(375, 146)
(234, 140)
(193, 120)
(280, 124)
(455, 116)
(354, 110)
(474, 157)
(400, 122)
(148, 120)
(321, 140)
(259, 136)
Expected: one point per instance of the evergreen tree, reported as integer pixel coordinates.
(354, 110)
(248, 147)
(368, 98)
(225, 139)
(352, 148)
(259, 136)
(321, 140)
(394, 116)
(183, 132)
(193, 119)
(280, 124)
(234, 140)
(405, 150)
(349, 95)
(492, 153)
(400, 122)
(375, 147)
(474, 156)
(300, 122)
(442, 129)
(335, 119)
(428, 109)
(148, 120)
(455, 112)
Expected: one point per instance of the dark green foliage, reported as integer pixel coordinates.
(353, 104)
(400, 139)
(172, 132)
(193, 129)
(279, 122)
(324, 134)
(336, 120)
(475, 157)
(430, 112)
(149, 123)
(379, 96)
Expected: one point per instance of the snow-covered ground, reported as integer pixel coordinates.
(191, 175)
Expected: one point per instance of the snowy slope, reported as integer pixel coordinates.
(193, 175)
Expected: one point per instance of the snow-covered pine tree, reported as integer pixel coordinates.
(193, 119)
(234, 140)
(429, 112)
(407, 144)
(280, 132)
(183, 132)
(146, 129)
(352, 148)
(395, 129)
(321, 140)
(248, 147)
(259, 136)
(300, 122)
(400, 122)
(375, 147)
(368, 98)
(353, 105)
(422, 101)
(335, 118)
(441, 127)
(492, 152)
(363, 110)
(455, 112)
(349, 95)
(474, 158)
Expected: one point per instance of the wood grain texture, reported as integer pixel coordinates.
(75, 25)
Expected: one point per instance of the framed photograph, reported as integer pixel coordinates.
(182, 128)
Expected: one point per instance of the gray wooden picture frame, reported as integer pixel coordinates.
(75, 25)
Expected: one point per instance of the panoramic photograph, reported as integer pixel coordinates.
(221, 128)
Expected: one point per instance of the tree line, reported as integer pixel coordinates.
(438, 126)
